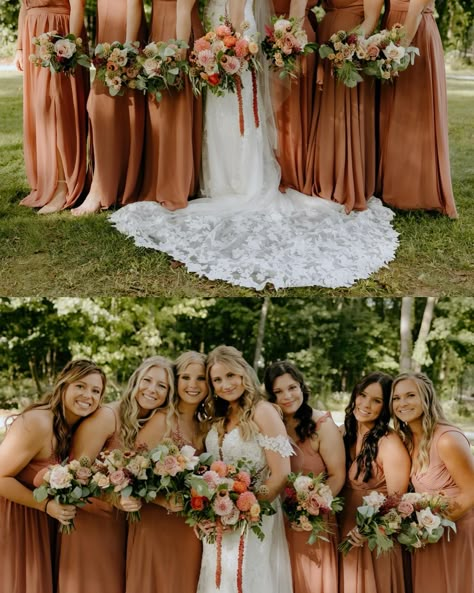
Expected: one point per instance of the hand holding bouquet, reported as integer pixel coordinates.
(59, 53)
(162, 67)
(117, 66)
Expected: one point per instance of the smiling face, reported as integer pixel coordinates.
(288, 394)
(82, 396)
(192, 384)
(153, 388)
(406, 401)
(227, 384)
(369, 404)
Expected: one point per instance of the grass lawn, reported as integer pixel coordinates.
(60, 255)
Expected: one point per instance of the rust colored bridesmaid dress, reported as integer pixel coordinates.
(92, 558)
(314, 568)
(293, 101)
(173, 136)
(414, 153)
(341, 153)
(163, 553)
(26, 541)
(117, 122)
(54, 111)
(447, 566)
(361, 571)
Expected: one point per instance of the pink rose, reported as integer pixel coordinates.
(405, 508)
(313, 503)
(373, 51)
(65, 48)
(118, 479)
(172, 465)
(83, 474)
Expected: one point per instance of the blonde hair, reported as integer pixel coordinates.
(130, 423)
(218, 409)
(432, 416)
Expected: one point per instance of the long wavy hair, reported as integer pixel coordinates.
(54, 401)
(180, 366)
(370, 444)
(432, 416)
(218, 409)
(306, 427)
(129, 410)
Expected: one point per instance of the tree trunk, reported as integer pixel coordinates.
(420, 350)
(261, 332)
(406, 325)
(34, 374)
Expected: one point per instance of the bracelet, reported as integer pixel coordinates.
(46, 505)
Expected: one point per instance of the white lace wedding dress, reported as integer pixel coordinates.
(245, 231)
(266, 565)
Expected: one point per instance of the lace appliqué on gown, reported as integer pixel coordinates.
(279, 444)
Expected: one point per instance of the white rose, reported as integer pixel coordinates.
(65, 48)
(428, 520)
(302, 483)
(374, 499)
(60, 477)
(394, 52)
(282, 25)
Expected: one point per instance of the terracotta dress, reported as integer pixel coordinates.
(173, 135)
(117, 122)
(92, 558)
(163, 553)
(314, 568)
(414, 153)
(54, 111)
(27, 539)
(361, 571)
(341, 154)
(447, 566)
(293, 103)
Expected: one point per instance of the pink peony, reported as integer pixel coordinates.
(201, 44)
(220, 468)
(245, 501)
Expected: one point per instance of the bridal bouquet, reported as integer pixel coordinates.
(341, 51)
(68, 483)
(424, 520)
(383, 54)
(59, 53)
(308, 503)
(284, 42)
(224, 497)
(162, 67)
(117, 66)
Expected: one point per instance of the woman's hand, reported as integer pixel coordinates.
(64, 513)
(356, 538)
(19, 60)
(129, 504)
(173, 504)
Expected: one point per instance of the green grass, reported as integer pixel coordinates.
(61, 255)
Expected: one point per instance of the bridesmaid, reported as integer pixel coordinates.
(414, 114)
(319, 449)
(54, 118)
(117, 122)
(341, 154)
(376, 459)
(293, 103)
(161, 557)
(174, 125)
(100, 539)
(441, 462)
(37, 438)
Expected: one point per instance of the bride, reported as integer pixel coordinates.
(246, 427)
(245, 231)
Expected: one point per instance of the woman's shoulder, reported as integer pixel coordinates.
(38, 420)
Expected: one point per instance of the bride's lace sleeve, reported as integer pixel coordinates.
(279, 444)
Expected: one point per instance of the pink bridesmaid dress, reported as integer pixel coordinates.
(341, 154)
(447, 566)
(54, 111)
(27, 539)
(163, 553)
(414, 168)
(92, 558)
(361, 571)
(314, 568)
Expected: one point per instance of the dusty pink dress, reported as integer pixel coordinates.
(341, 154)
(54, 111)
(163, 553)
(293, 102)
(92, 558)
(414, 153)
(26, 541)
(173, 135)
(314, 568)
(361, 571)
(444, 567)
(117, 122)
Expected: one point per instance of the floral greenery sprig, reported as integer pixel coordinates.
(319, 13)
(59, 53)
(117, 66)
(162, 67)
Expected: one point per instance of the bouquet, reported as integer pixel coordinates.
(68, 483)
(379, 520)
(383, 54)
(217, 62)
(424, 519)
(172, 465)
(341, 51)
(162, 67)
(117, 66)
(59, 53)
(223, 497)
(285, 41)
(308, 502)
